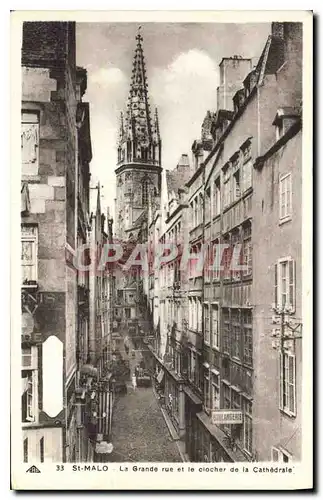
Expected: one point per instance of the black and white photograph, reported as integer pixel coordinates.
(164, 312)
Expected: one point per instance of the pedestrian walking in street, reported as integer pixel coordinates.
(134, 381)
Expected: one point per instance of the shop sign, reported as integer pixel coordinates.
(226, 417)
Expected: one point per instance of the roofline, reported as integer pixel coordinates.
(291, 132)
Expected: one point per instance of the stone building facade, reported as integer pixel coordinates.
(56, 153)
(237, 350)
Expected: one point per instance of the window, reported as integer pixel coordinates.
(247, 175)
(236, 333)
(226, 396)
(285, 197)
(236, 244)
(237, 185)
(26, 450)
(247, 337)
(144, 193)
(215, 394)
(207, 204)
(199, 315)
(29, 358)
(196, 213)
(216, 256)
(206, 324)
(226, 330)
(278, 455)
(287, 383)
(199, 372)
(285, 284)
(247, 249)
(247, 257)
(226, 260)
(247, 425)
(215, 326)
(206, 388)
(41, 449)
(236, 400)
(192, 366)
(216, 197)
(201, 204)
(28, 396)
(29, 254)
(30, 142)
(208, 262)
(226, 193)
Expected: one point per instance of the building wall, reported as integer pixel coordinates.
(272, 241)
(50, 176)
(53, 444)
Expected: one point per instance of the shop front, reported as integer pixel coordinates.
(214, 445)
(193, 405)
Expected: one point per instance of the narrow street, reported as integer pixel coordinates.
(139, 432)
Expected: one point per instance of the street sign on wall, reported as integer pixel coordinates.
(226, 417)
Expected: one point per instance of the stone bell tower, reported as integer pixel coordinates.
(138, 172)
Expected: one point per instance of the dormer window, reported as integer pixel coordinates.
(238, 99)
(285, 118)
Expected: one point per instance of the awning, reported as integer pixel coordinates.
(24, 385)
(160, 376)
(219, 435)
(195, 399)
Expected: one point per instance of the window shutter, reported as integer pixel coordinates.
(292, 284)
(280, 198)
(276, 285)
(292, 384)
(281, 381)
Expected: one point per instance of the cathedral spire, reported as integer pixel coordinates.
(138, 127)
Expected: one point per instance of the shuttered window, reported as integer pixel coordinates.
(287, 383)
(285, 197)
(284, 285)
(206, 324)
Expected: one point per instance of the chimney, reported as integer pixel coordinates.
(277, 30)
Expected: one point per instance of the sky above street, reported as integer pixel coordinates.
(182, 68)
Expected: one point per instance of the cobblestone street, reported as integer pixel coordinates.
(139, 432)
